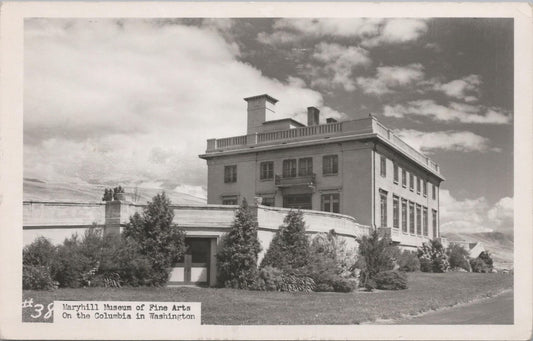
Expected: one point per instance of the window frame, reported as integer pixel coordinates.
(404, 216)
(233, 198)
(291, 170)
(411, 182)
(418, 184)
(395, 211)
(418, 220)
(383, 198)
(404, 178)
(382, 166)
(230, 174)
(331, 199)
(330, 164)
(308, 161)
(434, 223)
(396, 172)
(268, 172)
(425, 187)
(425, 221)
(412, 217)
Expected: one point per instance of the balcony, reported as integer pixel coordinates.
(355, 129)
(306, 180)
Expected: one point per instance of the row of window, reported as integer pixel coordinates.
(291, 168)
(421, 184)
(414, 217)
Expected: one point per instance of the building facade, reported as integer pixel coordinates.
(357, 168)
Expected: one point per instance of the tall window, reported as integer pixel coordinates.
(383, 166)
(435, 234)
(425, 187)
(411, 217)
(404, 178)
(395, 212)
(266, 170)
(230, 174)
(383, 201)
(404, 215)
(396, 173)
(331, 203)
(305, 166)
(418, 180)
(434, 194)
(418, 220)
(330, 164)
(411, 181)
(425, 221)
(289, 168)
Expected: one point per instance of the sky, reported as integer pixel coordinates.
(133, 101)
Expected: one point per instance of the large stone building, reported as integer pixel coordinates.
(358, 168)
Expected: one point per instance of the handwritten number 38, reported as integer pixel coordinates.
(39, 308)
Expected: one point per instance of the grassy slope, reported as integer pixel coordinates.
(228, 306)
(41, 191)
(500, 245)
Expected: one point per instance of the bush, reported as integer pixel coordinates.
(40, 253)
(376, 255)
(408, 261)
(483, 263)
(487, 259)
(391, 280)
(237, 259)
(289, 248)
(159, 240)
(273, 279)
(37, 277)
(458, 257)
(344, 285)
(433, 257)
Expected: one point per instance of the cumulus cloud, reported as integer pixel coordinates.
(474, 215)
(466, 88)
(134, 100)
(391, 78)
(370, 32)
(458, 141)
(337, 63)
(459, 112)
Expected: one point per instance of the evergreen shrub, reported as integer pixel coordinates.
(458, 257)
(37, 277)
(391, 280)
(408, 261)
(376, 254)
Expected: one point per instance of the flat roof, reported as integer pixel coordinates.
(285, 119)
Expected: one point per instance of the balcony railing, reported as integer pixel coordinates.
(363, 126)
(304, 180)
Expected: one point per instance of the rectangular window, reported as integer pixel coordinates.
(425, 221)
(267, 170)
(331, 203)
(435, 188)
(289, 168)
(411, 217)
(395, 212)
(268, 201)
(425, 187)
(435, 234)
(330, 164)
(404, 215)
(383, 166)
(411, 181)
(230, 200)
(418, 220)
(396, 173)
(404, 178)
(418, 180)
(383, 206)
(305, 166)
(230, 174)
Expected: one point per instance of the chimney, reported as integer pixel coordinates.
(258, 108)
(313, 115)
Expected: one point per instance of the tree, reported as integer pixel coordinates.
(458, 257)
(376, 255)
(157, 237)
(237, 259)
(289, 248)
(433, 257)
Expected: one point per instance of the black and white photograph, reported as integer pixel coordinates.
(202, 171)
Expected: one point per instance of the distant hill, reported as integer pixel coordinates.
(500, 245)
(38, 190)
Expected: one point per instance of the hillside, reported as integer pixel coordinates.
(37, 190)
(500, 245)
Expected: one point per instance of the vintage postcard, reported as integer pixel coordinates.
(266, 170)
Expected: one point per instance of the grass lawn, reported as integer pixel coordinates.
(426, 291)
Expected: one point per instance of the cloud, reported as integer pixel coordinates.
(466, 88)
(391, 78)
(370, 32)
(136, 100)
(458, 141)
(474, 215)
(337, 63)
(459, 112)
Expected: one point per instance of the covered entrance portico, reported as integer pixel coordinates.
(197, 266)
